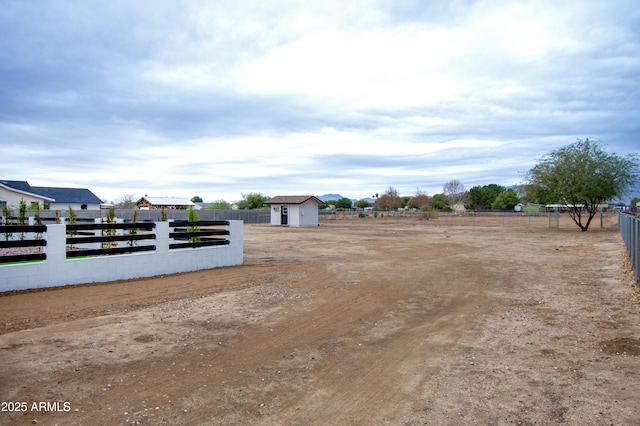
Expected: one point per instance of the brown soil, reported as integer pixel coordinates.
(355, 322)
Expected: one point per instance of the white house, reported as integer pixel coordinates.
(294, 210)
(63, 198)
(12, 191)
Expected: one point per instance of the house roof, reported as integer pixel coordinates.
(23, 187)
(167, 201)
(58, 195)
(68, 195)
(20, 185)
(292, 199)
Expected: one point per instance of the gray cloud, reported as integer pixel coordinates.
(223, 99)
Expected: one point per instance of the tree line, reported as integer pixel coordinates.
(580, 176)
(454, 197)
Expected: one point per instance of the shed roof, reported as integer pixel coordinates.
(292, 199)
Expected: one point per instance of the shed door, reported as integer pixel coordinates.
(284, 215)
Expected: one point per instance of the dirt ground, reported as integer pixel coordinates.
(355, 322)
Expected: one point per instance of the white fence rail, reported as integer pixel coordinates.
(57, 269)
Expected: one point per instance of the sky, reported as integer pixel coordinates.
(224, 98)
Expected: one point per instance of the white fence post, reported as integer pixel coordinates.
(120, 232)
(56, 250)
(162, 239)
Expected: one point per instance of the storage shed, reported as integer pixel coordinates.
(294, 210)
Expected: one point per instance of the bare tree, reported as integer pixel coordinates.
(125, 201)
(390, 200)
(455, 192)
(421, 199)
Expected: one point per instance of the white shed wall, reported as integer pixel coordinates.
(308, 214)
(305, 214)
(275, 214)
(294, 215)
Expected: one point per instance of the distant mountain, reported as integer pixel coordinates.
(336, 197)
(633, 192)
(326, 197)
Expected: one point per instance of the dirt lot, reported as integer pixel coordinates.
(355, 322)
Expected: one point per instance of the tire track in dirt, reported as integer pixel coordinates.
(367, 325)
(69, 303)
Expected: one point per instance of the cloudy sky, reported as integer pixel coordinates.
(222, 98)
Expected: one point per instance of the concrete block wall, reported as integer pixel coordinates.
(56, 270)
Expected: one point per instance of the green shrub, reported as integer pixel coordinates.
(193, 217)
(133, 231)
(6, 214)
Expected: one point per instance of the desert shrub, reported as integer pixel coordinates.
(427, 213)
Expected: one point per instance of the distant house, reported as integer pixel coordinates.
(167, 203)
(53, 198)
(12, 191)
(294, 210)
(76, 198)
(562, 207)
(534, 208)
(200, 205)
(459, 208)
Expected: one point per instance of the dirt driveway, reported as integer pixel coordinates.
(354, 322)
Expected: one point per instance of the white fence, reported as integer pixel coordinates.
(58, 270)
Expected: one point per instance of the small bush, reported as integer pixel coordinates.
(193, 217)
(133, 231)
